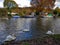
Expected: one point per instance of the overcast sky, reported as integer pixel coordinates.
(23, 3)
(57, 3)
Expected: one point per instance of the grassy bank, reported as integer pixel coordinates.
(47, 40)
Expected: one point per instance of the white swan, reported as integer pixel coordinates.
(25, 30)
(49, 32)
(10, 38)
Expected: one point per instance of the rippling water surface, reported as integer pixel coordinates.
(36, 27)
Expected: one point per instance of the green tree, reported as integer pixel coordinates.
(56, 10)
(9, 4)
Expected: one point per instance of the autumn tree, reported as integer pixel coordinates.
(3, 12)
(43, 4)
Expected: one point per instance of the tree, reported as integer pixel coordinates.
(56, 11)
(3, 12)
(9, 4)
(43, 4)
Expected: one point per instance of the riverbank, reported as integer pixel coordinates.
(47, 40)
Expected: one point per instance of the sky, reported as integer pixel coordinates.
(57, 3)
(26, 3)
(23, 3)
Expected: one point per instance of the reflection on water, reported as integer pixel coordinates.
(37, 27)
(16, 26)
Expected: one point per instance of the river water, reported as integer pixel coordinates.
(37, 27)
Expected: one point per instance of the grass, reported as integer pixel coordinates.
(55, 36)
(54, 39)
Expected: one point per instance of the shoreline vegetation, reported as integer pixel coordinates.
(47, 40)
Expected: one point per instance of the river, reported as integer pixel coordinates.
(37, 27)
